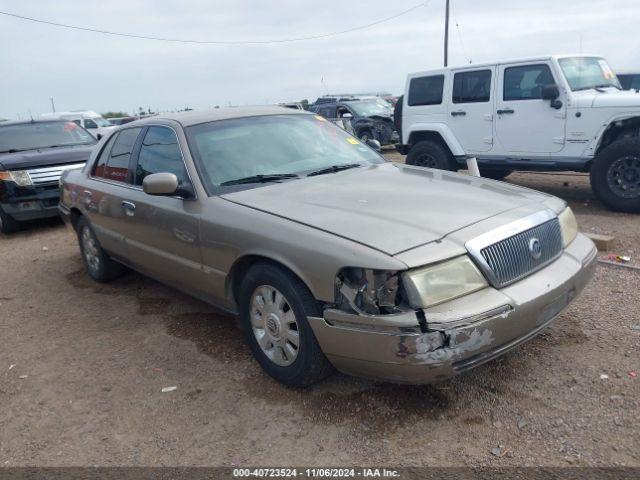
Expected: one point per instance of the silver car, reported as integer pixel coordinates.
(331, 256)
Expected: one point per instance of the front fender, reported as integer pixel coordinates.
(441, 129)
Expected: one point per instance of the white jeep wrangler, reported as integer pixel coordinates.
(545, 113)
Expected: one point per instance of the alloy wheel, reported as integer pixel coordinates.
(274, 325)
(623, 177)
(426, 160)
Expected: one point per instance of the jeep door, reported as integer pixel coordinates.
(162, 232)
(525, 123)
(471, 108)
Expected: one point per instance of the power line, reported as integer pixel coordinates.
(216, 42)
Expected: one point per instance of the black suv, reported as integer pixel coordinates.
(33, 155)
(369, 119)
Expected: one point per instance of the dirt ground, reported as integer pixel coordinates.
(82, 367)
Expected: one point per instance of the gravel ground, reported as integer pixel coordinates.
(82, 367)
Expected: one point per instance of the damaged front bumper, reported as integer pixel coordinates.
(439, 342)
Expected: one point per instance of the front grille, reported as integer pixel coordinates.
(50, 174)
(512, 259)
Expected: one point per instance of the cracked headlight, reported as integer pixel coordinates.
(366, 291)
(434, 284)
(568, 225)
(20, 177)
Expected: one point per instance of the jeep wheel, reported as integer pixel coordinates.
(615, 176)
(432, 155)
(7, 223)
(495, 173)
(274, 306)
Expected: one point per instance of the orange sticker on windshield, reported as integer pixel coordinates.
(318, 117)
(353, 141)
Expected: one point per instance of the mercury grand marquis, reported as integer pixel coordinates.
(331, 256)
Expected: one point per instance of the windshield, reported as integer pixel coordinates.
(101, 122)
(584, 73)
(31, 136)
(229, 150)
(369, 108)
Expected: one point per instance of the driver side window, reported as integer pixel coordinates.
(90, 124)
(160, 153)
(526, 82)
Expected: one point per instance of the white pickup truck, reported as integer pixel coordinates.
(548, 113)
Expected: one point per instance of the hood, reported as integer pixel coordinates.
(45, 157)
(389, 207)
(612, 97)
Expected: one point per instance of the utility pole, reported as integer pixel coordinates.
(446, 35)
(53, 105)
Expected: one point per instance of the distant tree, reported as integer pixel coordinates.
(114, 114)
(304, 103)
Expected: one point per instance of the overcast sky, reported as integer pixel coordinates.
(84, 70)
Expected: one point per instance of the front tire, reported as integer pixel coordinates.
(7, 223)
(615, 176)
(99, 265)
(274, 306)
(365, 136)
(432, 155)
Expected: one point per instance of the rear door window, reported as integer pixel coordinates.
(426, 90)
(117, 167)
(160, 153)
(101, 163)
(472, 87)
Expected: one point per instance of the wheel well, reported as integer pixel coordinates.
(416, 137)
(242, 266)
(75, 216)
(627, 128)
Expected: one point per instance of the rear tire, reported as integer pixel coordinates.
(495, 173)
(615, 176)
(99, 265)
(431, 154)
(7, 223)
(274, 305)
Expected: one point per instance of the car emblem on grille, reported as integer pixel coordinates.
(535, 248)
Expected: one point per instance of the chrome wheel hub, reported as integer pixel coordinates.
(623, 177)
(90, 249)
(274, 325)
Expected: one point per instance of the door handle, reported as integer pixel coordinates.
(505, 111)
(458, 113)
(129, 208)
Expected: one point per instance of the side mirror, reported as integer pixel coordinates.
(160, 184)
(550, 92)
(375, 144)
(347, 115)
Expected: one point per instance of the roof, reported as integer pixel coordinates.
(539, 58)
(26, 122)
(195, 117)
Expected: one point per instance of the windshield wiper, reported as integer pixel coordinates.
(334, 169)
(270, 177)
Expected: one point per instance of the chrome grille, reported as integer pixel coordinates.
(50, 174)
(512, 259)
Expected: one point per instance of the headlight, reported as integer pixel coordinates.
(433, 284)
(568, 225)
(366, 291)
(20, 177)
